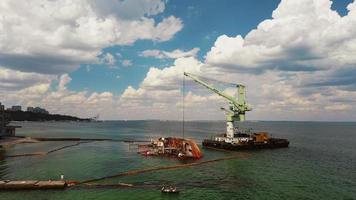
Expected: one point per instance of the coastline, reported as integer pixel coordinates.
(31, 116)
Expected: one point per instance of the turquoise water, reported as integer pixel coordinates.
(319, 164)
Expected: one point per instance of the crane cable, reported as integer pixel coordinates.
(183, 105)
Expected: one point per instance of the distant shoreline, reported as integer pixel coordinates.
(195, 121)
(73, 118)
(31, 116)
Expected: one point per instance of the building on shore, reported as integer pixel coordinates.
(30, 109)
(37, 110)
(15, 108)
(5, 128)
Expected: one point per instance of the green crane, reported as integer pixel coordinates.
(237, 105)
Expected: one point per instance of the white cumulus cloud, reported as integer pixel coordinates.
(304, 35)
(298, 65)
(169, 54)
(55, 37)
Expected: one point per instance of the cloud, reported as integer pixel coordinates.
(127, 63)
(55, 37)
(11, 80)
(342, 77)
(108, 59)
(299, 65)
(160, 91)
(170, 77)
(338, 107)
(305, 56)
(169, 54)
(63, 81)
(305, 35)
(132, 9)
(160, 85)
(62, 100)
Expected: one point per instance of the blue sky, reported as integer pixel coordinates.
(203, 22)
(122, 57)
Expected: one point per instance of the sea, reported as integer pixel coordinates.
(320, 162)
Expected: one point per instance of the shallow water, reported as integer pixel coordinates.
(319, 164)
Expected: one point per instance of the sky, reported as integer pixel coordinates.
(124, 59)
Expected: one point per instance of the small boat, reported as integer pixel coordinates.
(169, 189)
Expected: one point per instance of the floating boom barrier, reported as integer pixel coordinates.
(154, 169)
(61, 184)
(44, 153)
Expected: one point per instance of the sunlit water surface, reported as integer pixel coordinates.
(319, 164)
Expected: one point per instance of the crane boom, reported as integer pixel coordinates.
(220, 93)
(237, 108)
(234, 138)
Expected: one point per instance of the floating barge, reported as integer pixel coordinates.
(32, 185)
(244, 141)
(234, 139)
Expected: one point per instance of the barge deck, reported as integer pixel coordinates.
(271, 143)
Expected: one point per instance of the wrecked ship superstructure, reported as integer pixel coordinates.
(171, 147)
